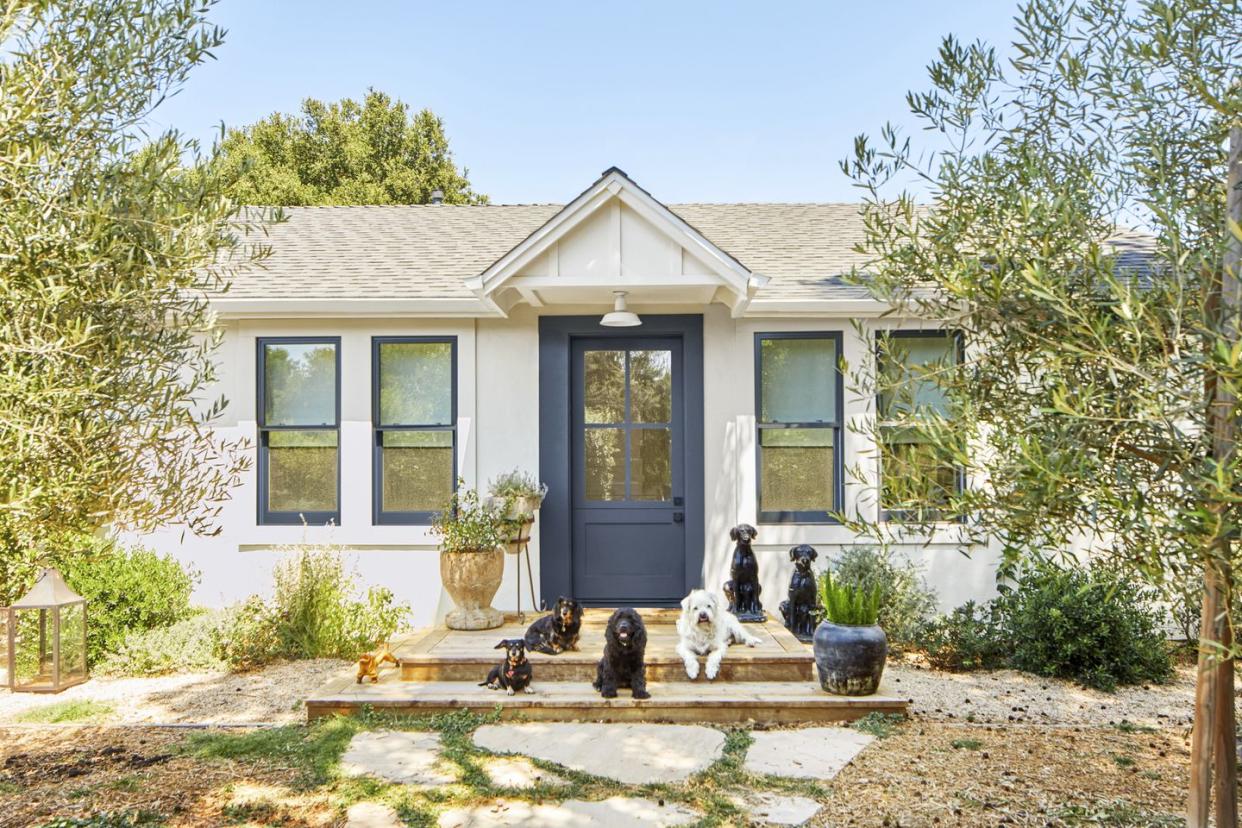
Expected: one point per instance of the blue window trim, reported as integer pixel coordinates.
(265, 516)
(379, 516)
(903, 515)
(816, 517)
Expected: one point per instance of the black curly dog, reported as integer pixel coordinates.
(802, 610)
(743, 588)
(625, 644)
(557, 632)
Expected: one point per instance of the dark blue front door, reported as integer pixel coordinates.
(627, 432)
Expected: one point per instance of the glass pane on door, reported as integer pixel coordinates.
(627, 417)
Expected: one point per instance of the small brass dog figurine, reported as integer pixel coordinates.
(743, 587)
(514, 673)
(802, 611)
(369, 663)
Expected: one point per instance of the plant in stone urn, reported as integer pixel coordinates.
(850, 648)
(471, 559)
(517, 495)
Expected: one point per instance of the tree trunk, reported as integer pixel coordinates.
(1215, 730)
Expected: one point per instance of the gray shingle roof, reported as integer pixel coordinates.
(427, 251)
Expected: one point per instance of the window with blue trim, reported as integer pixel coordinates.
(798, 424)
(299, 430)
(414, 415)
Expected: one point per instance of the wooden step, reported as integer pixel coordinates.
(717, 702)
(455, 655)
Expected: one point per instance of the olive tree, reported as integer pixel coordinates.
(1096, 383)
(108, 252)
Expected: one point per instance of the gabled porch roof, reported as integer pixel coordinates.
(616, 236)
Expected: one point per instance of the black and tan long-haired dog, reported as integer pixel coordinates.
(512, 674)
(557, 632)
(623, 665)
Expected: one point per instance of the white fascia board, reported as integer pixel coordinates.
(816, 307)
(236, 308)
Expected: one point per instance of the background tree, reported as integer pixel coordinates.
(345, 153)
(106, 256)
(1101, 368)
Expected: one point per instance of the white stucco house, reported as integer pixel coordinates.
(382, 352)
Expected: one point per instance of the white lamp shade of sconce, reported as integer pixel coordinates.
(619, 316)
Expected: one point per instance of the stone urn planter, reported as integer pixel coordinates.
(850, 659)
(472, 579)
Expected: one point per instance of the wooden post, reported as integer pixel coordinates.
(1214, 734)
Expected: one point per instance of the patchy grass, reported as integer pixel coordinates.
(880, 725)
(1117, 814)
(126, 819)
(966, 744)
(1123, 761)
(67, 711)
(1130, 727)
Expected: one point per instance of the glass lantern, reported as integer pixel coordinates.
(46, 637)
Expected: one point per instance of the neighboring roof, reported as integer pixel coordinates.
(428, 251)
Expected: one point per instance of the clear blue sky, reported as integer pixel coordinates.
(698, 101)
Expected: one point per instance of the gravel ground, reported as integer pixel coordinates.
(1002, 696)
(273, 694)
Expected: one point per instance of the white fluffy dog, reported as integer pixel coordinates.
(705, 629)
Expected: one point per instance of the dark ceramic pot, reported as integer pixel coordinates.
(850, 660)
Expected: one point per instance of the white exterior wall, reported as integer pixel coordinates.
(498, 428)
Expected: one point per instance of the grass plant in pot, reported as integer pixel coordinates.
(517, 496)
(850, 648)
(472, 559)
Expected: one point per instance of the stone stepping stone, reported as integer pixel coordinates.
(810, 753)
(372, 815)
(636, 754)
(617, 812)
(517, 772)
(776, 809)
(405, 757)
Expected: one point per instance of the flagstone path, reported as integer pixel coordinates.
(634, 754)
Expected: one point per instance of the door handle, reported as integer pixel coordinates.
(678, 517)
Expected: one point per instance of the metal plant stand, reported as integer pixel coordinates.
(520, 546)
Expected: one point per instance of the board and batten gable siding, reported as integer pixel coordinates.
(498, 430)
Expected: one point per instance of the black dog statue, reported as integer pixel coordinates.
(557, 632)
(803, 610)
(514, 673)
(743, 588)
(625, 645)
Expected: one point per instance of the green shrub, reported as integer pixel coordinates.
(187, 646)
(1090, 625)
(848, 604)
(247, 636)
(906, 602)
(969, 638)
(127, 590)
(314, 614)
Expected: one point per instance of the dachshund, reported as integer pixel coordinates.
(557, 632)
(514, 673)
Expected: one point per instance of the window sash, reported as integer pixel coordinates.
(398, 517)
(816, 516)
(898, 422)
(266, 516)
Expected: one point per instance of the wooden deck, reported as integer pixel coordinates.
(453, 655)
(439, 672)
